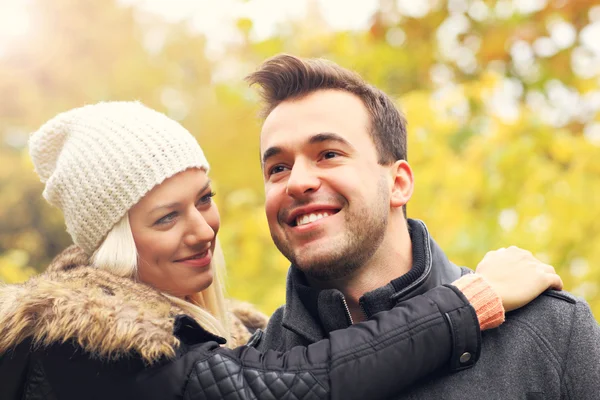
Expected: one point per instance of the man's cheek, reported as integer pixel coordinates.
(271, 208)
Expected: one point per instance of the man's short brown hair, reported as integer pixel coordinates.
(286, 77)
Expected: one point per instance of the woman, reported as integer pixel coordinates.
(137, 309)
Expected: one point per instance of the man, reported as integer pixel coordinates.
(333, 150)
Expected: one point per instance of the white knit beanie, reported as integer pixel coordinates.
(99, 160)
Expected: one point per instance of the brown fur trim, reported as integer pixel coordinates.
(108, 316)
(245, 320)
(71, 257)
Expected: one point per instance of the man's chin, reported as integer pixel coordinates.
(311, 256)
(323, 267)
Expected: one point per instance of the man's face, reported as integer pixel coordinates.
(327, 197)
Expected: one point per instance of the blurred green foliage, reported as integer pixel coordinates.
(502, 102)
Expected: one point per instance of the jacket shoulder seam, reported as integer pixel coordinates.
(543, 344)
(189, 378)
(561, 296)
(564, 374)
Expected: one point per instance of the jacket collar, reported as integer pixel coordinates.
(108, 316)
(313, 313)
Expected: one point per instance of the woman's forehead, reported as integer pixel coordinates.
(181, 186)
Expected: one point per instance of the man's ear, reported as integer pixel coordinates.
(402, 183)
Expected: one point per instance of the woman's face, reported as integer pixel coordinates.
(174, 227)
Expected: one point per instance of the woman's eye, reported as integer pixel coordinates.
(330, 154)
(166, 219)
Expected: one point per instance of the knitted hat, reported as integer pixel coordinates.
(99, 160)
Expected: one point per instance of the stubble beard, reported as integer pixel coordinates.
(365, 229)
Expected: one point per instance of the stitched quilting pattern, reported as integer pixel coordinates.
(220, 377)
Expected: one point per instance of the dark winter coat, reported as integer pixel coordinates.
(75, 332)
(549, 349)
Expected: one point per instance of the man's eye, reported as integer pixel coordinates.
(330, 154)
(166, 219)
(276, 169)
(206, 199)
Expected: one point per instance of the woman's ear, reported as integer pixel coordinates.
(403, 183)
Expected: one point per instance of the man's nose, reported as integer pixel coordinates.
(198, 230)
(302, 180)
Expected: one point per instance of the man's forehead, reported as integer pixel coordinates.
(319, 112)
(321, 102)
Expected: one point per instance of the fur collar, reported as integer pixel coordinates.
(108, 316)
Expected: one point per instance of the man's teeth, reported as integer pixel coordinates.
(312, 217)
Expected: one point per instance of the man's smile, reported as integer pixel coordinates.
(306, 215)
(312, 217)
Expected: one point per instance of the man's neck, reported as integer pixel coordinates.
(392, 260)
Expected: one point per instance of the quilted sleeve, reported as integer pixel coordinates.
(375, 359)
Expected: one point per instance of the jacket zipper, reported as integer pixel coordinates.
(347, 311)
(348, 315)
(362, 308)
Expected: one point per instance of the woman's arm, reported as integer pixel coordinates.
(377, 358)
(373, 359)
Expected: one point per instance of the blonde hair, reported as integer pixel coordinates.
(118, 255)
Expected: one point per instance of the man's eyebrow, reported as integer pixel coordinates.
(329, 137)
(270, 152)
(176, 204)
(318, 138)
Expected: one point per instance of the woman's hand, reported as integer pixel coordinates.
(517, 276)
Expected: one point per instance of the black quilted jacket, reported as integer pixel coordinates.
(80, 333)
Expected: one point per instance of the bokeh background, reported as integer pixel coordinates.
(502, 99)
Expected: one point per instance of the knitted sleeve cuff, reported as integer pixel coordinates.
(485, 301)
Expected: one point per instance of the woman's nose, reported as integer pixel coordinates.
(199, 230)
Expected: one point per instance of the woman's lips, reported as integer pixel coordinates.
(199, 260)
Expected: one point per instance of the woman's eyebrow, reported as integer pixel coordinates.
(176, 204)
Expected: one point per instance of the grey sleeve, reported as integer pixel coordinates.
(581, 373)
